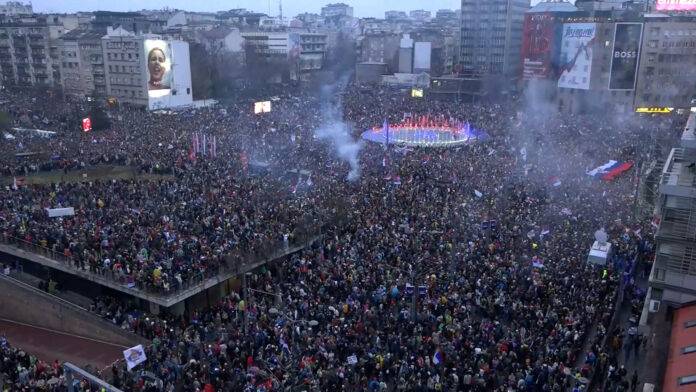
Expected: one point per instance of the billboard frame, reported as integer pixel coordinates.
(638, 55)
(582, 44)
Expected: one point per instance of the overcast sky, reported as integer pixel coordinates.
(362, 8)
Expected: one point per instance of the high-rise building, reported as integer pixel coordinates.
(667, 76)
(391, 15)
(124, 66)
(673, 277)
(336, 10)
(491, 38)
(12, 8)
(421, 15)
(82, 63)
(29, 52)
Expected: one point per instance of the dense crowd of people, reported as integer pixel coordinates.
(461, 269)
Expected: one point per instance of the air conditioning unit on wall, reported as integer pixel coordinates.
(654, 306)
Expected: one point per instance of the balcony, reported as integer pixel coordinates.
(679, 175)
(678, 221)
(688, 139)
(677, 258)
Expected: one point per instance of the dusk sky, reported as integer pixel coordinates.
(362, 8)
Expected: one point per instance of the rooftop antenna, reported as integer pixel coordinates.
(280, 9)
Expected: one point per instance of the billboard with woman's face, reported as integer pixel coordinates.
(167, 73)
(158, 54)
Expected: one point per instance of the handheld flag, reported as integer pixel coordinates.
(134, 356)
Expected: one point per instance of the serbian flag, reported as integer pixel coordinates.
(599, 170)
(617, 171)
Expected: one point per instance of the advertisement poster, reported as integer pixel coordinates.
(537, 46)
(625, 56)
(576, 55)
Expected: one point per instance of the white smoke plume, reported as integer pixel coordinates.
(336, 131)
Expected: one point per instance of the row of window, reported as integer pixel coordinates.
(122, 56)
(678, 71)
(127, 81)
(123, 69)
(671, 44)
(127, 93)
(655, 31)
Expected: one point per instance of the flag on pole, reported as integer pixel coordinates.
(134, 356)
(213, 146)
(385, 128)
(205, 148)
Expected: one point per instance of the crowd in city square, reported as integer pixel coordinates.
(460, 269)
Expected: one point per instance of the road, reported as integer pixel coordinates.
(50, 345)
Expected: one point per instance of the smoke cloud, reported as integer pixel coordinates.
(335, 130)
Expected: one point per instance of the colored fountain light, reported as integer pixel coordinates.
(425, 132)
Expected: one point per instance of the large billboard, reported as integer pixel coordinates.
(625, 56)
(422, 57)
(576, 55)
(168, 73)
(538, 46)
(675, 5)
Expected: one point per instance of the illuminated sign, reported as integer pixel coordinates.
(675, 5)
(262, 107)
(655, 110)
(86, 124)
(417, 93)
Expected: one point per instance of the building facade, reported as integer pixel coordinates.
(336, 10)
(13, 8)
(304, 52)
(673, 277)
(491, 37)
(82, 64)
(586, 65)
(124, 66)
(421, 15)
(381, 48)
(395, 15)
(29, 54)
(667, 72)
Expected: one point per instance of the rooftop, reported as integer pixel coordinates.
(217, 33)
(553, 6)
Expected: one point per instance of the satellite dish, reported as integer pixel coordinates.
(601, 236)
